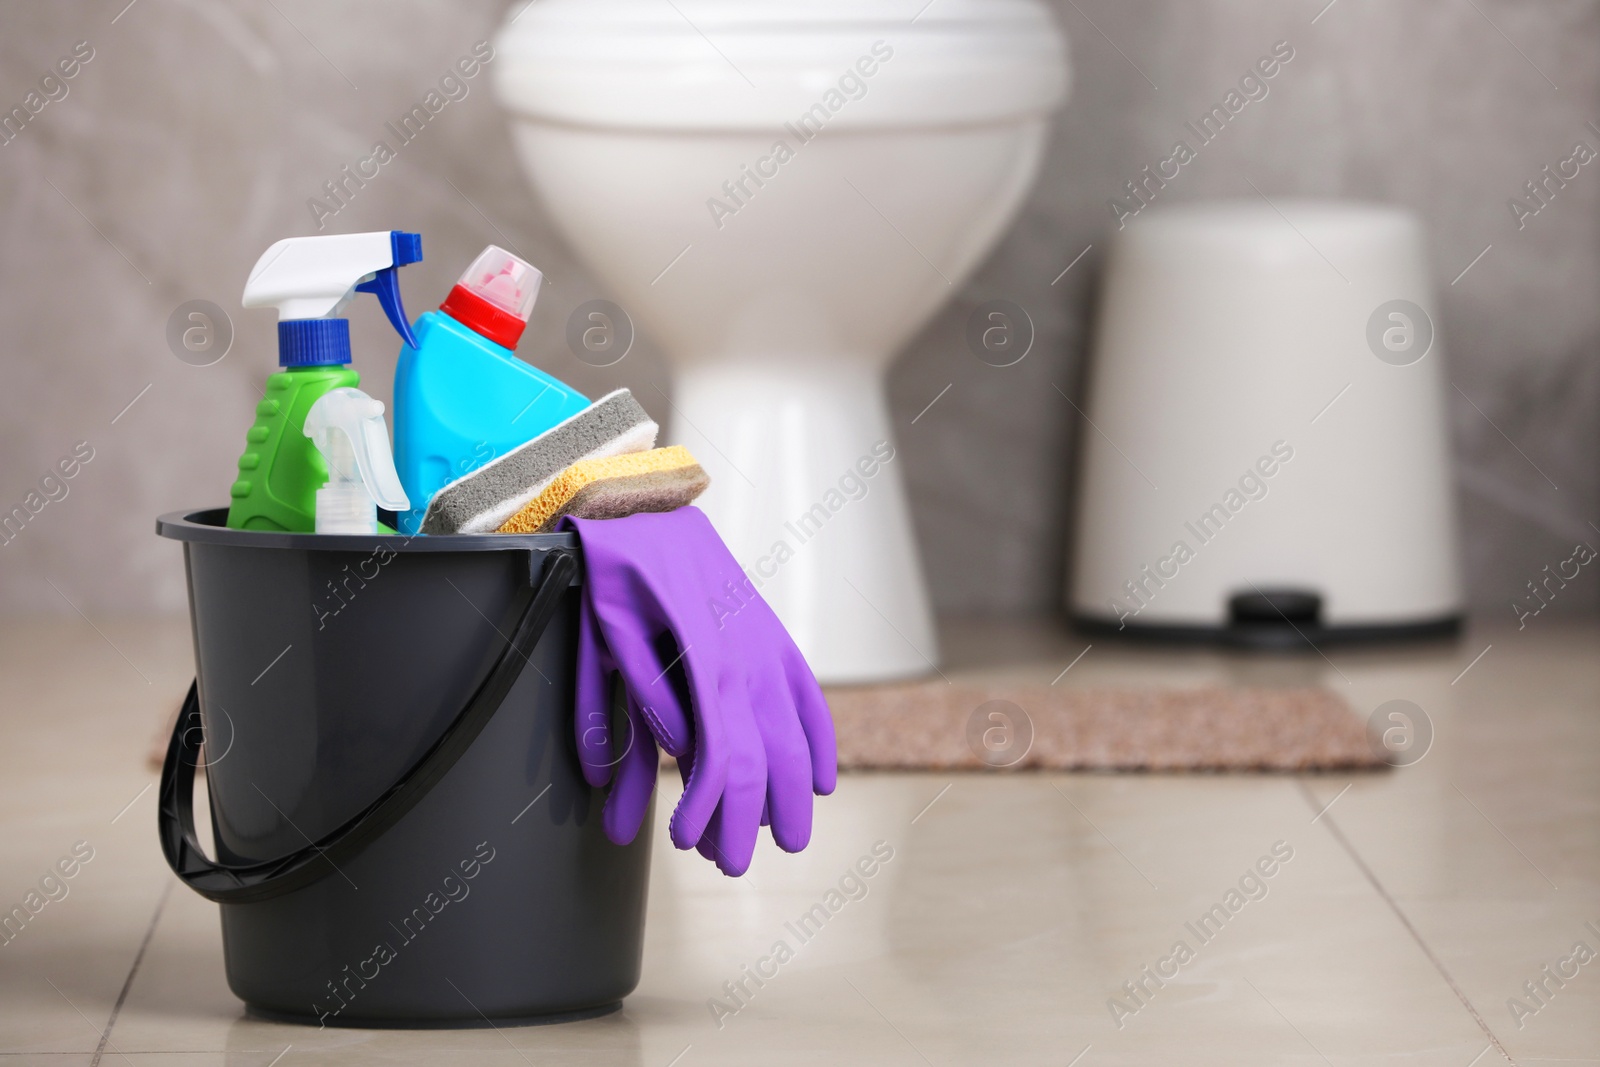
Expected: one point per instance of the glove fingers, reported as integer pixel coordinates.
(706, 846)
(733, 833)
(635, 783)
(787, 804)
(706, 774)
(815, 720)
(592, 700)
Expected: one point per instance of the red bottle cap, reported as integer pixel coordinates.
(495, 296)
(478, 314)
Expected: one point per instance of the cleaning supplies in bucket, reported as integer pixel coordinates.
(428, 730)
(309, 280)
(347, 427)
(461, 398)
(726, 692)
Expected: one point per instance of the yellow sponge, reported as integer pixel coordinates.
(612, 487)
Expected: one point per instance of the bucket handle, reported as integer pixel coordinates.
(250, 882)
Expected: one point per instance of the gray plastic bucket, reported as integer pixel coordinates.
(402, 833)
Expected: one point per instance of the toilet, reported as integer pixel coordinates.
(780, 195)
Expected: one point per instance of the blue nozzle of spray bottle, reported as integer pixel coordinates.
(385, 284)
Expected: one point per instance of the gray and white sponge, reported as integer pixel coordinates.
(482, 501)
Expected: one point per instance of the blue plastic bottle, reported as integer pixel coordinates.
(461, 398)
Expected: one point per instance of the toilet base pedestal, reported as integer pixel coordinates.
(806, 490)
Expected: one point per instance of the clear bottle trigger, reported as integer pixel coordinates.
(348, 429)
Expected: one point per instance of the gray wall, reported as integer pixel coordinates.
(194, 137)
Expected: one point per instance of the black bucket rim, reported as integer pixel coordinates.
(209, 526)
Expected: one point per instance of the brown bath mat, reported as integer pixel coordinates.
(940, 726)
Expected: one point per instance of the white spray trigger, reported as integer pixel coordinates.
(348, 429)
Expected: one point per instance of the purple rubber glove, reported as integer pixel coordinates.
(711, 676)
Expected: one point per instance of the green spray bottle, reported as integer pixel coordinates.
(310, 280)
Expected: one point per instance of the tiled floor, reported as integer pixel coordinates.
(1413, 907)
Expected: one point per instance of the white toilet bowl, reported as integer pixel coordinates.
(781, 194)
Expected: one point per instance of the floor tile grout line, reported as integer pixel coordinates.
(1394, 906)
(138, 958)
